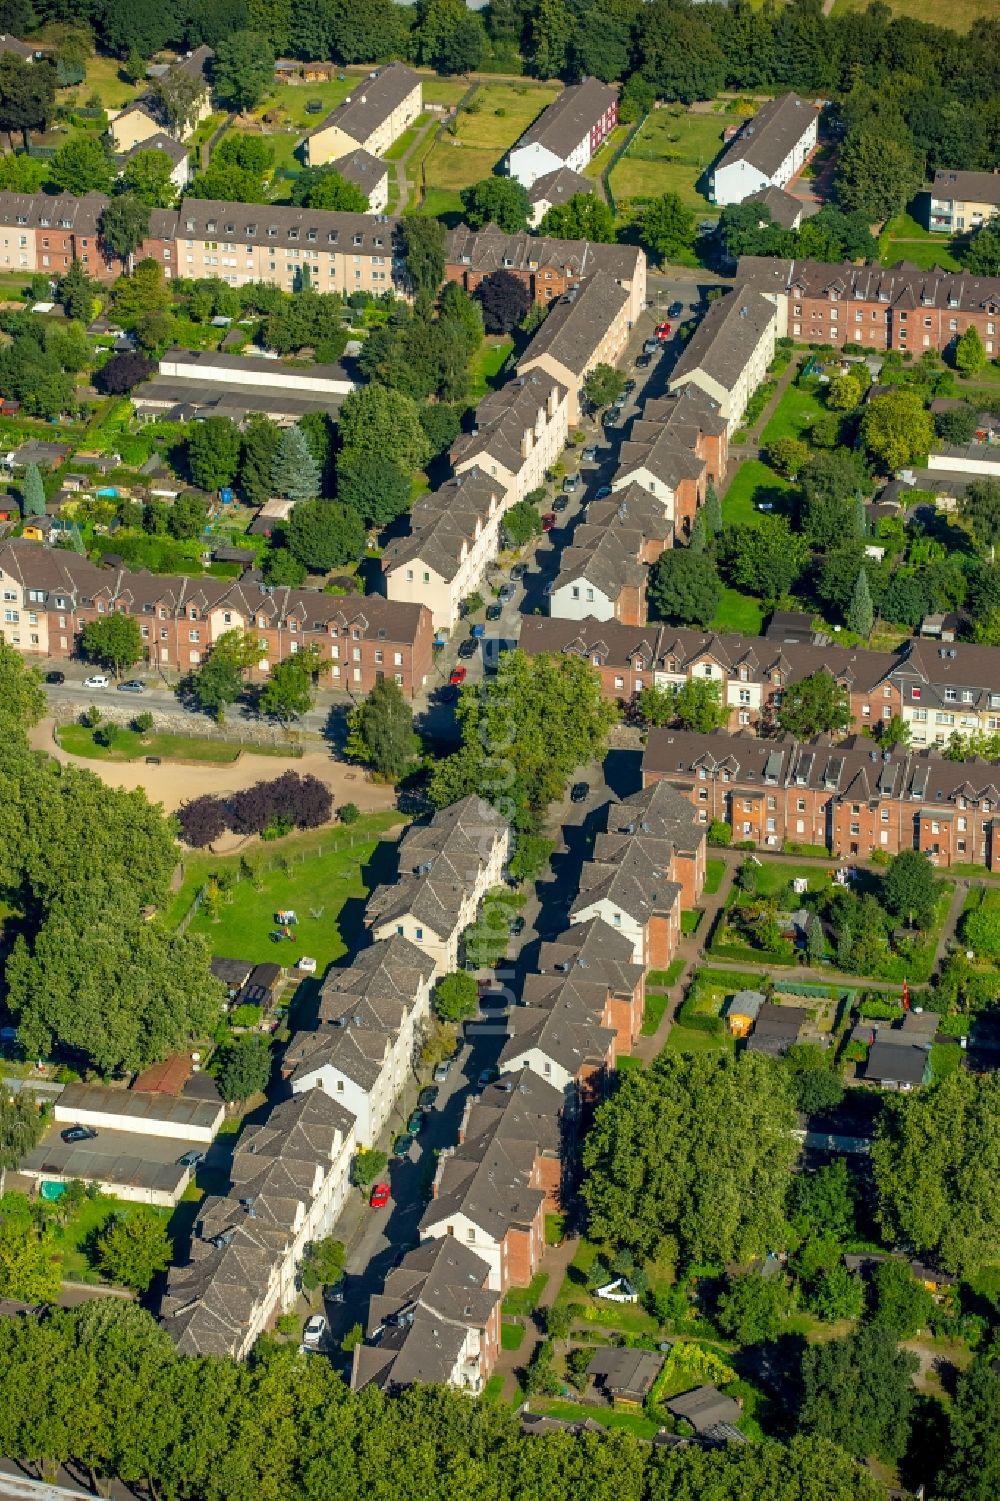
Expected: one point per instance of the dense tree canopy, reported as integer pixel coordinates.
(659, 1170)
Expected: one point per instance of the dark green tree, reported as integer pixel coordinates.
(32, 492)
(860, 616)
(496, 200)
(898, 1301)
(113, 640)
(456, 997)
(294, 472)
(132, 1247)
(244, 69)
(381, 731)
(214, 452)
(972, 1468)
(244, 1066)
(259, 446)
(82, 166)
(878, 1374)
(423, 249)
(376, 487)
(753, 1307)
(124, 224)
(603, 385)
(817, 705)
(685, 587)
(323, 534)
(582, 217)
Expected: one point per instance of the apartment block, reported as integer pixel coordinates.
(853, 798)
(567, 134)
(371, 118)
(882, 307)
(769, 150)
(145, 117)
(588, 326)
(546, 266)
(488, 1197)
(729, 352)
(961, 202)
(49, 595)
(42, 233)
(519, 433)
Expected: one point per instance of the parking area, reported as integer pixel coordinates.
(129, 1165)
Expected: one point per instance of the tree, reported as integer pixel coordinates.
(957, 424)
(75, 292)
(909, 887)
(983, 255)
(896, 429)
(524, 732)
(860, 616)
(21, 1128)
(767, 558)
(788, 455)
(685, 587)
(323, 187)
(824, 1202)
(214, 452)
(934, 1160)
(603, 385)
(980, 507)
(32, 492)
(146, 177)
(582, 217)
(124, 224)
(244, 69)
(133, 1247)
(449, 38)
(698, 540)
(970, 356)
(835, 1293)
(377, 421)
(82, 166)
(713, 510)
(179, 96)
(376, 487)
(113, 640)
(878, 1374)
(972, 1468)
(819, 1091)
(219, 680)
(697, 705)
(753, 1308)
(244, 1067)
(456, 997)
(322, 534)
(899, 1302)
(295, 473)
(367, 1166)
(258, 447)
(123, 372)
(668, 228)
(656, 1164)
(521, 524)
(289, 691)
(381, 731)
(818, 705)
(981, 928)
(497, 200)
(27, 95)
(187, 517)
(505, 301)
(424, 252)
(323, 1263)
(281, 567)
(876, 174)
(30, 1265)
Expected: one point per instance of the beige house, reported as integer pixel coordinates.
(175, 152)
(369, 174)
(144, 117)
(728, 354)
(372, 117)
(245, 242)
(454, 536)
(589, 326)
(962, 201)
(520, 432)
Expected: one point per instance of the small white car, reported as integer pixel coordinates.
(312, 1334)
(307, 965)
(97, 681)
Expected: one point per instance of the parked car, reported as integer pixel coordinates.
(487, 1076)
(629, 386)
(560, 503)
(589, 455)
(401, 1146)
(642, 360)
(191, 1159)
(570, 483)
(651, 346)
(55, 677)
(548, 521)
(79, 1133)
(98, 680)
(312, 1334)
(518, 571)
(675, 310)
(468, 647)
(415, 1123)
(380, 1196)
(516, 927)
(604, 492)
(427, 1098)
(442, 1070)
(662, 332)
(335, 1292)
(507, 593)
(132, 686)
(611, 417)
(579, 792)
(494, 611)
(458, 676)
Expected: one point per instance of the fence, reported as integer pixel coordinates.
(615, 159)
(168, 723)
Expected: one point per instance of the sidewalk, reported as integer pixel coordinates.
(555, 1261)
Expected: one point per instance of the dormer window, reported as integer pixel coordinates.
(229, 229)
(293, 234)
(311, 235)
(189, 224)
(250, 231)
(332, 236)
(358, 240)
(272, 230)
(211, 227)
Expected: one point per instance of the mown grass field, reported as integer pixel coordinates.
(905, 239)
(671, 154)
(753, 482)
(501, 113)
(957, 15)
(794, 415)
(129, 745)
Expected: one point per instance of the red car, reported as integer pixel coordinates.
(379, 1196)
(458, 677)
(548, 521)
(662, 331)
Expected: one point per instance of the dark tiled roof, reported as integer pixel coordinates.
(372, 102)
(904, 286)
(726, 337)
(570, 117)
(576, 324)
(490, 249)
(783, 208)
(558, 187)
(361, 168)
(770, 135)
(972, 187)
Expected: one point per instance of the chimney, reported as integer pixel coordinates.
(550, 405)
(527, 442)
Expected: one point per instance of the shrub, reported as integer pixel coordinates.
(245, 1016)
(143, 723)
(349, 813)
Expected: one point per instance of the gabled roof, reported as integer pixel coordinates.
(970, 187)
(785, 210)
(900, 285)
(558, 187)
(595, 951)
(502, 419)
(637, 880)
(570, 117)
(492, 249)
(770, 135)
(493, 1189)
(726, 337)
(571, 1043)
(371, 103)
(575, 325)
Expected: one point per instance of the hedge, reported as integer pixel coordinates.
(697, 1020)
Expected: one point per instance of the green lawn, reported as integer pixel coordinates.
(443, 90)
(104, 76)
(324, 873)
(131, 746)
(690, 920)
(437, 202)
(488, 363)
(715, 870)
(794, 415)
(959, 16)
(681, 1039)
(575, 1412)
(555, 1229)
(501, 113)
(511, 1335)
(402, 144)
(738, 612)
(753, 483)
(521, 1302)
(670, 154)
(598, 164)
(661, 978)
(657, 1002)
(71, 1239)
(290, 101)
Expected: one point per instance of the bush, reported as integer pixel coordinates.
(719, 833)
(266, 808)
(245, 1016)
(689, 1017)
(143, 723)
(348, 813)
(91, 718)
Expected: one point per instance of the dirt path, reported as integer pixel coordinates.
(172, 784)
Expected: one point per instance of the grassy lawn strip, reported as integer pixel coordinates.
(738, 612)
(961, 13)
(521, 1302)
(555, 1229)
(131, 746)
(486, 367)
(670, 154)
(753, 483)
(511, 1335)
(681, 1039)
(575, 1412)
(71, 1239)
(324, 872)
(691, 919)
(661, 978)
(794, 415)
(715, 870)
(657, 1002)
